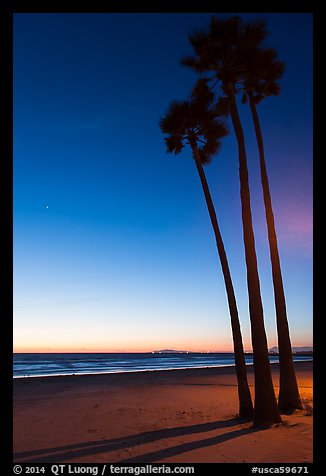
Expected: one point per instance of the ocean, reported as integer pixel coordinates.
(36, 365)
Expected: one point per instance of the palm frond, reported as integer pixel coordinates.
(207, 151)
(261, 72)
(173, 121)
(202, 93)
(222, 107)
(258, 98)
(253, 34)
(174, 144)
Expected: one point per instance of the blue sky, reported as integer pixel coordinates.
(113, 247)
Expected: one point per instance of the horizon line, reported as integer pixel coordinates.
(161, 351)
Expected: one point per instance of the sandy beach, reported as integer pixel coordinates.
(174, 416)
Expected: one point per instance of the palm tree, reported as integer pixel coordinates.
(259, 78)
(217, 53)
(192, 123)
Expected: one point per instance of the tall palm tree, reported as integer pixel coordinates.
(216, 52)
(193, 123)
(260, 74)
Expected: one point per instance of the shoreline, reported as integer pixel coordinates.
(178, 416)
(114, 372)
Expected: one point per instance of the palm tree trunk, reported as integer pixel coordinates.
(289, 398)
(245, 402)
(266, 410)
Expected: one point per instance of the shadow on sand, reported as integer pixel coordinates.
(82, 450)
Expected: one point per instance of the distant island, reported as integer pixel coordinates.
(273, 350)
(295, 350)
(171, 351)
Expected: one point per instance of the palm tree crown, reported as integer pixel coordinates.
(224, 49)
(233, 52)
(261, 73)
(194, 120)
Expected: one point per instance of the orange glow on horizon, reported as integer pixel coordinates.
(90, 341)
(84, 342)
(135, 349)
(41, 350)
(122, 348)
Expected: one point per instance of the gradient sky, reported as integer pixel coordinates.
(113, 246)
